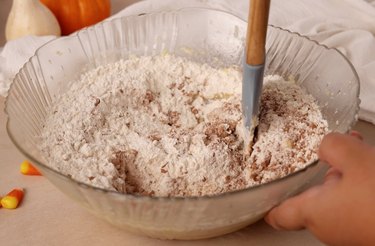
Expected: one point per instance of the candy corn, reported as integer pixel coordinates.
(12, 199)
(27, 169)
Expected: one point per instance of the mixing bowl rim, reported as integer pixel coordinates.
(166, 198)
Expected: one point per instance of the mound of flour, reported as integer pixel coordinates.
(167, 126)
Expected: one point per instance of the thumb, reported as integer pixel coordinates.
(301, 211)
(294, 213)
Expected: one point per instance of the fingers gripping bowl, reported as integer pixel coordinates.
(202, 35)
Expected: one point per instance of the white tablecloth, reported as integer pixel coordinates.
(348, 25)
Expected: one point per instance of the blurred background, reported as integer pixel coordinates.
(5, 6)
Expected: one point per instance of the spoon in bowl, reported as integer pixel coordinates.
(253, 67)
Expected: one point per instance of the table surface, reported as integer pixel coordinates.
(47, 217)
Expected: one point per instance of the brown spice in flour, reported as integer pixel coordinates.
(166, 126)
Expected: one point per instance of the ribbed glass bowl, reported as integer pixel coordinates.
(203, 35)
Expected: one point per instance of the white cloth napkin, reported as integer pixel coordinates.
(344, 24)
(14, 55)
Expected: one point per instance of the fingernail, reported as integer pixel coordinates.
(356, 134)
(272, 223)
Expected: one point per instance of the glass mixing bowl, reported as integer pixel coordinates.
(203, 35)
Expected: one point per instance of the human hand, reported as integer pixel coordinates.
(341, 211)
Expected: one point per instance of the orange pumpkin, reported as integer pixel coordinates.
(76, 14)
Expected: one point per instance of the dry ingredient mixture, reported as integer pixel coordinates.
(167, 126)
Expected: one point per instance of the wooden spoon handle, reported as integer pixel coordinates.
(257, 31)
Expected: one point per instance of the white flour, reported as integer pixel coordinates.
(165, 126)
